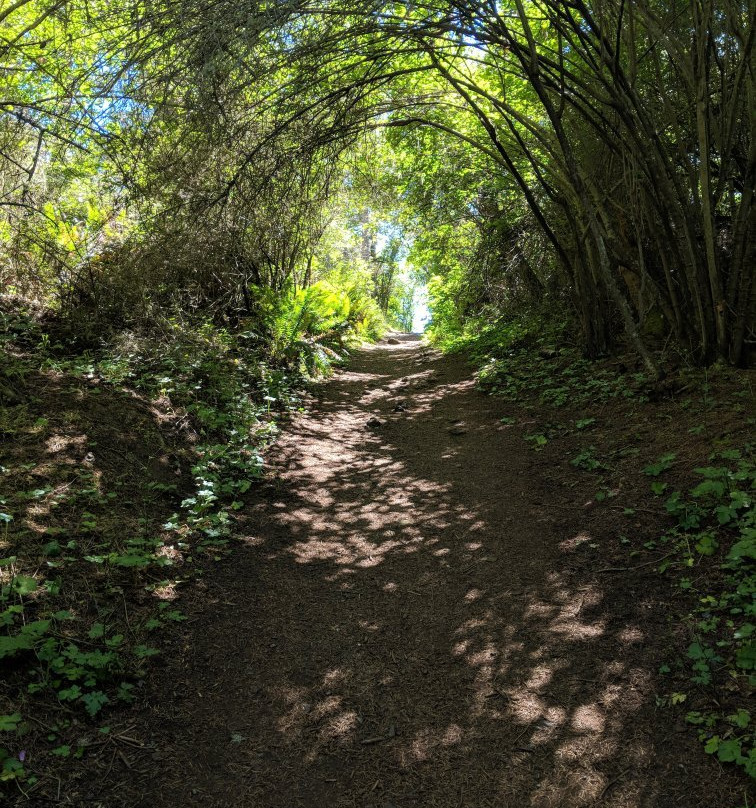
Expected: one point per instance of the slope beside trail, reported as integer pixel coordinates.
(407, 624)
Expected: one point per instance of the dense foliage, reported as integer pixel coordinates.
(599, 156)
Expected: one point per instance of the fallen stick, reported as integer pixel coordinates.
(627, 569)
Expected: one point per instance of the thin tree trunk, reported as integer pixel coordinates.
(702, 12)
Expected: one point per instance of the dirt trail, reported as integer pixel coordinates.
(408, 625)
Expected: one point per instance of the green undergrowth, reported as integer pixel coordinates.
(700, 484)
(526, 360)
(557, 377)
(489, 336)
(711, 553)
(124, 471)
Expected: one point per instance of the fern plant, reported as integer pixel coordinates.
(304, 320)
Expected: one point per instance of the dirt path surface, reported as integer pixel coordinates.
(409, 625)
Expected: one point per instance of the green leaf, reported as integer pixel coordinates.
(709, 488)
(70, 693)
(24, 585)
(725, 514)
(25, 640)
(97, 631)
(94, 701)
(745, 657)
(131, 560)
(750, 763)
(707, 544)
(9, 723)
(741, 719)
(729, 751)
(743, 549)
(662, 464)
(696, 651)
(12, 770)
(36, 629)
(125, 692)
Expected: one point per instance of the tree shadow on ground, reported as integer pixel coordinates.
(412, 626)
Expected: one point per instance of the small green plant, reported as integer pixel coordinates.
(587, 460)
(716, 525)
(514, 373)
(11, 766)
(538, 440)
(662, 464)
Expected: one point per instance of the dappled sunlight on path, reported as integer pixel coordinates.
(408, 627)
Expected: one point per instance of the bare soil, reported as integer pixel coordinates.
(424, 612)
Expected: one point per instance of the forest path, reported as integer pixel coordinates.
(409, 625)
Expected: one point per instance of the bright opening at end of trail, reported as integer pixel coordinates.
(421, 314)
